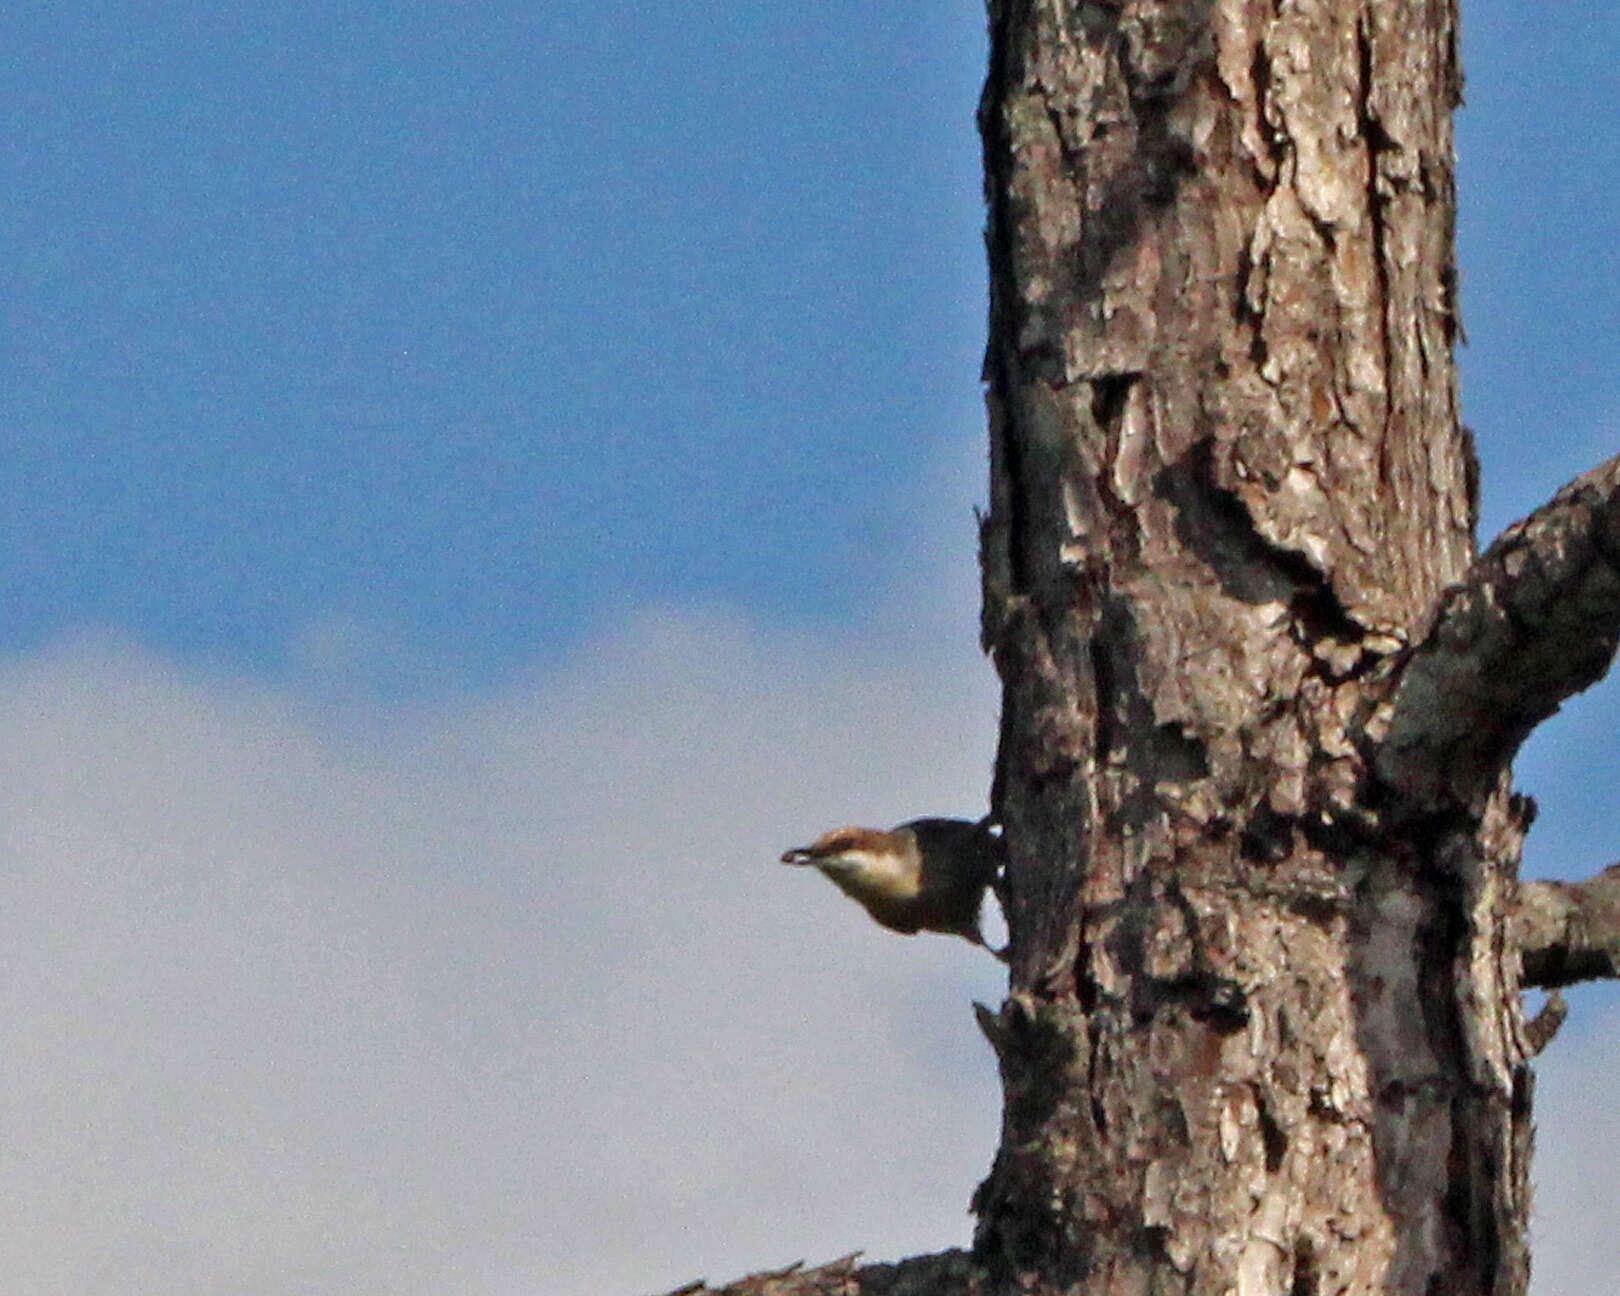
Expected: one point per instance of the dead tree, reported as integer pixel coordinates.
(1263, 1033)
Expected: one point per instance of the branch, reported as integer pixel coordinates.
(1569, 931)
(1536, 620)
(947, 1273)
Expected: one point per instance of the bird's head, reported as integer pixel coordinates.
(847, 850)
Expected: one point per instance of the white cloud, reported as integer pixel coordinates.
(501, 997)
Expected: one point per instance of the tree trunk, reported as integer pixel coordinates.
(1263, 1035)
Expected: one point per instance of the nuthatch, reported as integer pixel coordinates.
(926, 875)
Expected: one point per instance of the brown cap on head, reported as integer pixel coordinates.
(836, 842)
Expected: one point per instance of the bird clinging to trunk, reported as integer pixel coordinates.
(925, 875)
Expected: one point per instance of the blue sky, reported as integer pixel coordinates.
(481, 480)
(480, 323)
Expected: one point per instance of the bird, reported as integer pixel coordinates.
(922, 875)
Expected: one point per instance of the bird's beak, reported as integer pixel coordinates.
(798, 855)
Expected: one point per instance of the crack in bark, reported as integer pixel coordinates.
(1378, 140)
(1215, 523)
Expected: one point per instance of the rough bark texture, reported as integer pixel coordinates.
(1263, 1035)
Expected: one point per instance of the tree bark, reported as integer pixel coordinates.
(1263, 1034)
